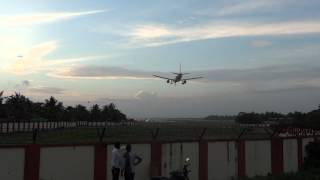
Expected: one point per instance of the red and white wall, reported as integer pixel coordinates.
(174, 155)
(257, 157)
(290, 155)
(210, 159)
(65, 163)
(222, 160)
(12, 163)
(142, 150)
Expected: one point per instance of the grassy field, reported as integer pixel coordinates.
(145, 131)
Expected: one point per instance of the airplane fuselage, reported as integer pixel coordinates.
(178, 78)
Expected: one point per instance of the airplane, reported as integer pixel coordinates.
(178, 78)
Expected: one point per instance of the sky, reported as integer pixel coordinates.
(254, 55)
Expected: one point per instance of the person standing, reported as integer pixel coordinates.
(116, 161)
(130, 161)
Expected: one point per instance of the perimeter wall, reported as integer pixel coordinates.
(210, 159)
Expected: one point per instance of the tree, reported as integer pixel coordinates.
(95, 113)
(249, 118)
(52, 109)
(68, 114)
(119, 116)
(37, 110)
(19, 107)
(312, 119)
(111, 113)
(2, 107)
(105, 114)
(81, 113)
(297, 118)
(313, 156)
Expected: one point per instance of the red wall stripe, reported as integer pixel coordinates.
(241, 158)
(100, 162)
(277, 156)
(203, 160)
(32, 162)
(300, 156)
(156, 158)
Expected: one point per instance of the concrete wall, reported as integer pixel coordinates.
(305, 142)
(222, 160)
(11, 163)
(258, 157)
(174, 155)
(142, 170)
(290, 155)
(66, 163)
(77, 162)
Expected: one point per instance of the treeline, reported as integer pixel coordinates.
(220, 117)
(17, 107)
(310, 119)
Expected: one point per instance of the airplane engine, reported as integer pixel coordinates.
(168, 81)
(184, 82)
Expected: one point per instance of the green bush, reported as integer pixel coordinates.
(311, 174)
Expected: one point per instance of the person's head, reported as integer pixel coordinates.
(128, 148)
(117, 145)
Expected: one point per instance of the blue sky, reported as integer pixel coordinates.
(255, 55)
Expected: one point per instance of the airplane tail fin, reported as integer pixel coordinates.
(180, 71)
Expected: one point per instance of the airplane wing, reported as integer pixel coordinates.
(193, 78)
(163, 77)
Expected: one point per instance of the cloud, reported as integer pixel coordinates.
(276, 78)
(23, 84)
(287, 77)
(261, 43)
(34, 60)
(144, 95)
(291, 88)
(26, 83)
(263, 74)
(151, 31)
(249, 6)
(100, 72)
(29, 88)
(259, 79)
(222, 103)
(158, 35)
(41, 18)
(45, 90)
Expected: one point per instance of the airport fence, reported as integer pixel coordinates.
(11, 127)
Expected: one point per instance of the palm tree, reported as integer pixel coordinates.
(81, 113)
(111, 113)
(53, 109)
(68, 114)
(2, 107)
(18, 107)
(105, 113)
(95, 113)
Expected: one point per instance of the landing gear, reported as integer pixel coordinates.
(184, 82)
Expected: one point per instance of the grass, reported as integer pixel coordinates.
(311, 174)
(169, 131)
